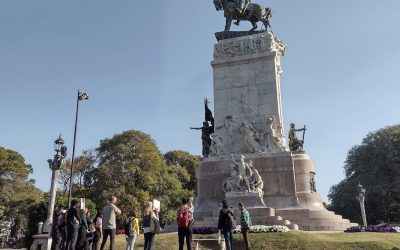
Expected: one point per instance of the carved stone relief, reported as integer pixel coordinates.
(265, 42)
(236, 136)
(244, 178)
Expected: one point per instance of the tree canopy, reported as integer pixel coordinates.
(188, 162)
(131, 167)
(375, 164)
(17, 191)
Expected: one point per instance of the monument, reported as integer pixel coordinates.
(249, 137)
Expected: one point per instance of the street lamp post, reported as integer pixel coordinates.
(54, 165)
(80, 97)
(361, 197)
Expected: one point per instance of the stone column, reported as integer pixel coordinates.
(247, 88)
(361, 198)
(53, 193)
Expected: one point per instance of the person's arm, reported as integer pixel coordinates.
(99, 225)
(220, 226)
(117, 210)
(77, 217)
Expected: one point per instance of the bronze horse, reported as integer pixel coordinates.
(253, 13)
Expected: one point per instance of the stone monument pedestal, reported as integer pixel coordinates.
(249, 122)
(288, 193)
(251, 199)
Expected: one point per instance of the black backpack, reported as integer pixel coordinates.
(128, 227)
(229, 220)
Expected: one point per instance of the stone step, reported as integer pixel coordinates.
(329, 219)
(326, 228)
(324, 223)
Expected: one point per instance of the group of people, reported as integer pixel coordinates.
(74, 230)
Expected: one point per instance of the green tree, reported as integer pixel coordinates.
(376, 165)
(131, 167)
(82, 165)
(17, 192)
(181, 159)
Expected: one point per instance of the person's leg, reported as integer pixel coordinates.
(189, 237)
(68, 242)
(227, 242)
(151, 240)
(105, 236)
(128, 243)
(231, 239)
(63, 240)
(134, 240)
(246, 237)
(146, 241)
(74, 239)
(181, 237)
(112, 237)
(53, 242)
(95, 240)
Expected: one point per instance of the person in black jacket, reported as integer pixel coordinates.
(226, 224)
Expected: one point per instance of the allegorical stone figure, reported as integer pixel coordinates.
(244, 178)
(217, 145)
(251, 138)
(295, 144)
(273, 142)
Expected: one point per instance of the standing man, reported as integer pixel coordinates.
(245, 224)
(109, 222)
(226, 223)
(185, 224)
(73, 222)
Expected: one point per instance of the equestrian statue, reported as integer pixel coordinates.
(243, 10)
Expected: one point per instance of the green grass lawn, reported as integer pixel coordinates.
(290, 240)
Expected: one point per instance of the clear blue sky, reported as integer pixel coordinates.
(146, 66)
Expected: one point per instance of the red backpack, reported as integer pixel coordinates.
(183, 217)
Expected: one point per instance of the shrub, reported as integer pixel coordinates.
(372, 228)
(264, 229)
(253, 229)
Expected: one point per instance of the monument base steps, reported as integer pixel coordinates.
(258, 215)
(315, 220)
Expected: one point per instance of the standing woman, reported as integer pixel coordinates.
(150, 223)
(98, 224)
